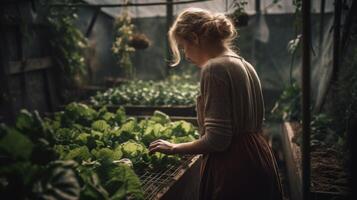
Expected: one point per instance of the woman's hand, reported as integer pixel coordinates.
(162, 146)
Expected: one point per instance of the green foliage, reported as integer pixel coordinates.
(100, 125)
(107, 154)
(79, 154)
(67, 42)
(121, 48)
(14, 139)
(77, 113)
(29, 171)
(161, 161)
(149, 93)
(132, 149)
(323, 133)
(120, 181)
(182, 128)
(34, 126)
(107, 150)
(288, 105)
(160, 117)
(59, 181)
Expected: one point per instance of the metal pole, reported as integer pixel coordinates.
(322, 21)
(169, 19)
(306, 39)
(122, 4)
(336, 41)
(257, 7)
(254, 44)
(351, 16)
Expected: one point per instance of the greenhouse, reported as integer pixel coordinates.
(178, 99)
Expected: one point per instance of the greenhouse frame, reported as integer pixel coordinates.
(87, 90)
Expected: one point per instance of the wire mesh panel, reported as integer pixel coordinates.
(156, 184)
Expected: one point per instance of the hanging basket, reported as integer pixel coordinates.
(139, 41)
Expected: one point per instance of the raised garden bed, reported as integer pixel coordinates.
(329, 179)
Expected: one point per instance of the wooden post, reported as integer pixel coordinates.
(5, 98)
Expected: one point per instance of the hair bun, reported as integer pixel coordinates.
(219, 26)
(225, 27)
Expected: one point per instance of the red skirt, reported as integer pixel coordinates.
(247, 170)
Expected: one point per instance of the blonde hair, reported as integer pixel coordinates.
(213, 28)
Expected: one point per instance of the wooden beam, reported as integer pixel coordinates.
(17, 67)
(92, 22)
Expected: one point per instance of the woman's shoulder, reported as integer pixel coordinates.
(223, 64)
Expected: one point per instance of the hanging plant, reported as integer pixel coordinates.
(66, 40)
(140, 41)
(121, 49)
(239, 16)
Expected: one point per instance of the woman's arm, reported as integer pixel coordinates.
(217, 121)
(194, 147)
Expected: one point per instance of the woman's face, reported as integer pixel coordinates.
(193, 52)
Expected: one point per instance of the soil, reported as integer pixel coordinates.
(328, 172)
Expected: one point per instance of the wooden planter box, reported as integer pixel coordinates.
(292, 156)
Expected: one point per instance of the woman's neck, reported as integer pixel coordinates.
(216, 52)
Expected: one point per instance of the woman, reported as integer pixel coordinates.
(237, 162)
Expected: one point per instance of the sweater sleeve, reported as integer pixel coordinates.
(217, 108)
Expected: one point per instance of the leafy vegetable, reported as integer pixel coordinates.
(58, 182)
(107, 154)
(100, 125)
(79, 154)
(16, 145)
(148, 93)
(109, 150)
(132, 149)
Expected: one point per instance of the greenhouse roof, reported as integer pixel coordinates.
(266, 7)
